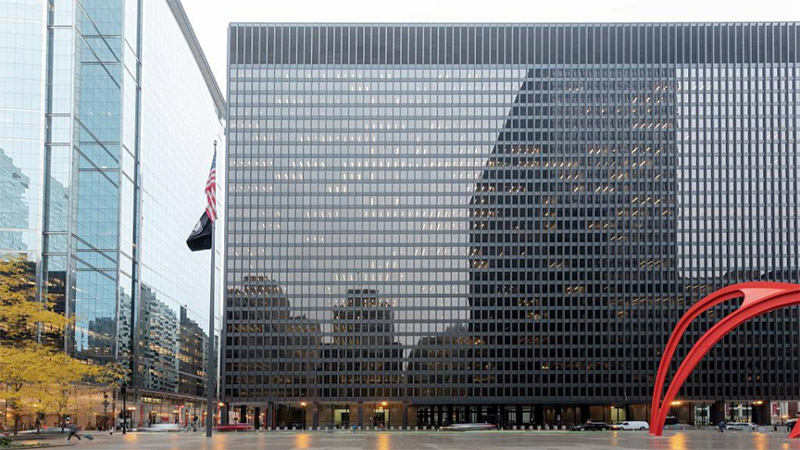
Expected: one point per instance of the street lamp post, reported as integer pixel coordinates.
(105, 409)
(123, 391)
(113, 410)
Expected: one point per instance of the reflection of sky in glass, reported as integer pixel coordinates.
(22, 45)
(376, 197)
(179, 126)
(97, 206)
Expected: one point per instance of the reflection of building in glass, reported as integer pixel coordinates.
(14, 212)
(88, 192)
(363, 350)
(265, 342)
(191, 356)
(125, 328)
(446, 361)
(98, 330)
(563, 218)
(540, 203)
(159, 343)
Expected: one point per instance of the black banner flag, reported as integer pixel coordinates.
(200, 237)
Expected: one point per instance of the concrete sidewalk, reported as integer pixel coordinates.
(407, 440)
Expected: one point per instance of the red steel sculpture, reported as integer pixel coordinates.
(760, 297)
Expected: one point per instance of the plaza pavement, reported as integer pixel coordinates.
(499, 440)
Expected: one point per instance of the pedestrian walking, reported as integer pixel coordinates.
(721, 426)
(73, 431)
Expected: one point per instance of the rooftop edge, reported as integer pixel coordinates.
(197, 51)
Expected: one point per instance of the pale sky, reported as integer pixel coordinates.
(210, 18)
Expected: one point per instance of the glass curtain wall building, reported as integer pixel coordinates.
(430, 224)
(103, 161)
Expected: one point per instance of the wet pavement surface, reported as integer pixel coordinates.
(500, 440)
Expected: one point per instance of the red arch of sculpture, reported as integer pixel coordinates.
(760, 297)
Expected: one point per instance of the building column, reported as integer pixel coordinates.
(518, 417)
(717, 412)
(315, 415)
(586, 413)
(361, 415)
(224, 413)
(538, 415)
(256, 418)
(270, 422)
(762, 414)
(243, 414)
(557, 418)
(438, 416)
(405, 415)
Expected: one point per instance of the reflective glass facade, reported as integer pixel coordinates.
(105, 172)
(22, 58)
(504, 215)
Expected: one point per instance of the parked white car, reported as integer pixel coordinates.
(741, 426)
(162, 427)
(632, 425)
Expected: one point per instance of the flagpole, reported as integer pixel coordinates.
(210, 373)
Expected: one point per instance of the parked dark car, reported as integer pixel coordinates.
(591, 426)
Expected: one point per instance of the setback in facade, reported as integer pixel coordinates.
(461, 223)
(108, 113)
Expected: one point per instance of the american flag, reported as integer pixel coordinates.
(211, 190)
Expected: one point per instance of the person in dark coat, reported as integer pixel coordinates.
(721, 426)
(73, 431)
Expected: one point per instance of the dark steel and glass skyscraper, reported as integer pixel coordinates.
(503, 223)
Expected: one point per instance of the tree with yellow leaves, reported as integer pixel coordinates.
(22, 316)
(36, 378)
(25, 373)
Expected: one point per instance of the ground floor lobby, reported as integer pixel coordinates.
(102, 410)
(398, 415)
